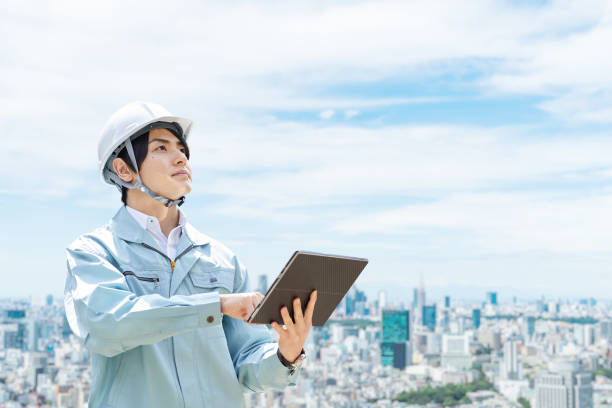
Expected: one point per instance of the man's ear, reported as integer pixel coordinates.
(123, 171)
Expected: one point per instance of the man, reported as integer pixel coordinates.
(161, 306)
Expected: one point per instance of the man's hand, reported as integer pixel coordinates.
(292, 336)
(240, 305)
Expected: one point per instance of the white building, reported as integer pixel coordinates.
(456, 352)
(510, 363)
(564, 387)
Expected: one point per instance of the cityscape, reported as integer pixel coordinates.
(544, 353)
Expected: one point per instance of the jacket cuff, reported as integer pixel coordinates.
(209, 308)
(279, 370)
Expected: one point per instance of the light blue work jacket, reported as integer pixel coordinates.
(154, 326)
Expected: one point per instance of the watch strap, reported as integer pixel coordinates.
(287, 363)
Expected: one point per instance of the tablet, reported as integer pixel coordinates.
(331, 275)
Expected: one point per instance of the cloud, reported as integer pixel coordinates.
(351, 113)
(217, 59)
(232, 67)
(327, 114)
(504, 222)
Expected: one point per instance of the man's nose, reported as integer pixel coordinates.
(180, 157)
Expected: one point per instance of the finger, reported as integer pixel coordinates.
(298, 317)
(286, 318)
(277, 327)
(310, 308)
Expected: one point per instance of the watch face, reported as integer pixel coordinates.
(298, 362)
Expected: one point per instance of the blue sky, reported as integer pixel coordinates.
(469, 144)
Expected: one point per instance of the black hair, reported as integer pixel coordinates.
(140, 144)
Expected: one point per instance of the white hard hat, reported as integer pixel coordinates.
(128, 121)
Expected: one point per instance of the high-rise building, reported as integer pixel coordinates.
(476, 318)
(382, 300)
(355, 302)
(445, 320)
(511, 365)
(605, 329)
(456, 352)
(422, 299)
(429, 317)
(490, 339)
(262, 284)
(529, 323)
(564, 387)
(395, 347)
(492, 298)
(447, 301)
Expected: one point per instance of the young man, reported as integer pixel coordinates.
(161, 306)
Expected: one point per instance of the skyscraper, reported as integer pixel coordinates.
(421, 292)
(446, 301)
(262, 284)
(511, 367)
(429, 317)
(529, 326)
(564, 387)
(492, 298)
(476, 318)
(382, 299)
(395, 347)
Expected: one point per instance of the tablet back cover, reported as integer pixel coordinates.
(332, 276)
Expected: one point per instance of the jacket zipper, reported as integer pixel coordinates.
(143, 278)
(172, 263)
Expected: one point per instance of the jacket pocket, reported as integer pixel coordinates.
(142, 282)
(218, 278)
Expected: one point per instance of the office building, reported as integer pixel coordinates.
(396, 349)
(429, 317)
(510, 364)
(456, 352)
(476, 318)
(529, 329)
(564, 387)
(262, 284)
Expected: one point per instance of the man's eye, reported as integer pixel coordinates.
(162, 147)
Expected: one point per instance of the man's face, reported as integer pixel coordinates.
(165, 169)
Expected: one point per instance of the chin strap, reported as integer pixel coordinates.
(138, 184)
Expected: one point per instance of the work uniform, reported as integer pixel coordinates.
(153, 322)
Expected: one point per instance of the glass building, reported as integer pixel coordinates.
(395, 347)
(476, 318)
(429, 317)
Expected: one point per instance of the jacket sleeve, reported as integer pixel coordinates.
(110, 319)
(253, 350)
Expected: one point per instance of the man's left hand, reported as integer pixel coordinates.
(292, 335)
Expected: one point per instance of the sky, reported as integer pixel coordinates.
(464, 142)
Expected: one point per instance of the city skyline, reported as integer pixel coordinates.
(543, 355)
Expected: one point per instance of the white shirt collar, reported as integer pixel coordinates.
(150, 224)
(145, 219)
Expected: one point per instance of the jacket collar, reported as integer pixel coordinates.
(128, 229)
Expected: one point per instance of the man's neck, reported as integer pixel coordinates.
(168, 217)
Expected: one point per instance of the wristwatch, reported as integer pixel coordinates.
(292, 366)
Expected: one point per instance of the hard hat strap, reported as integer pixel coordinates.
(138, 184)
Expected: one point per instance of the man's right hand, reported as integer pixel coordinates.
(240, 305)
